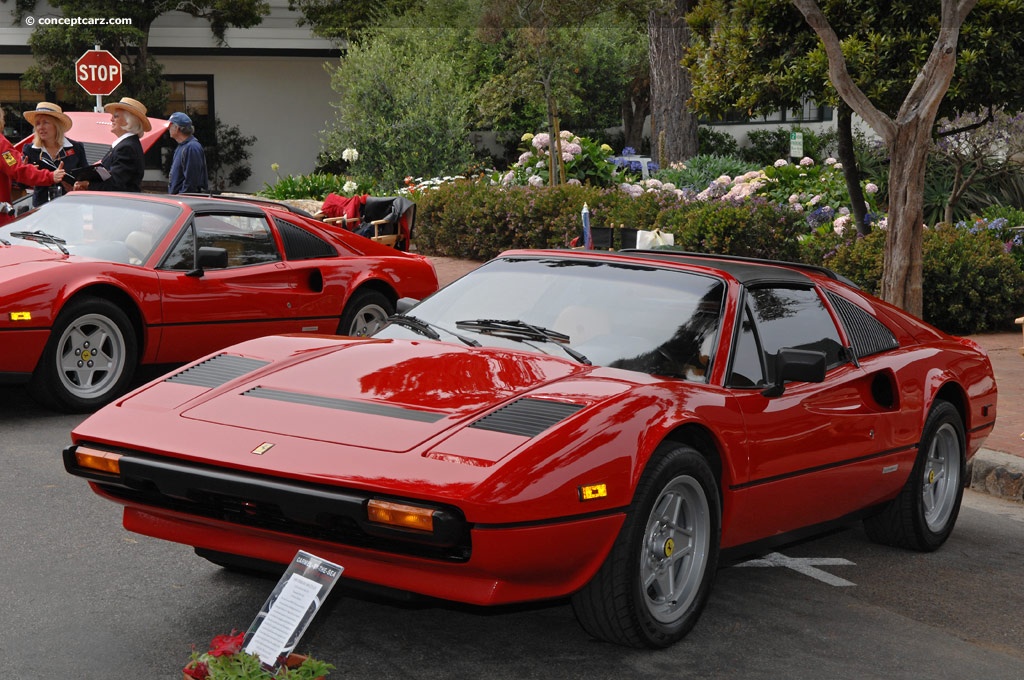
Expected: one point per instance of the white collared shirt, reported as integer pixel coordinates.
(121, 138)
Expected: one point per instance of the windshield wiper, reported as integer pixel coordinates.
(42, 237)
(424, 328)
(513, 329)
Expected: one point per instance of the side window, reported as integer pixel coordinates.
(746, 370)
(247, 238)
(795, 317)
(183, 255)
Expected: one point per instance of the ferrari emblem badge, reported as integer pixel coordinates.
(9, 158)
(670, 547)
(262, 448)
(931, 476)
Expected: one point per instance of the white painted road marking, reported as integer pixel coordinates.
(808, 566)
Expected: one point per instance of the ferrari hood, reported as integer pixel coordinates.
(10, 255)
(391, 395)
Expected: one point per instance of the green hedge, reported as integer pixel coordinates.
(971, 284)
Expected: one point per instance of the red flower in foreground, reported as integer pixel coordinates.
(223, 645)
(198, 670)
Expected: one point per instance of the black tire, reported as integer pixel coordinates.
(365, 314)
(677, 499)
(923, 515)
(90, 358)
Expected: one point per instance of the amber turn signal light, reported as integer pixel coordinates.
(102, 461)
(400, 515)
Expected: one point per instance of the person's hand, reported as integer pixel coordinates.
(58, 174)
(80, 186)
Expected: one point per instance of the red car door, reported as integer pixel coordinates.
(819, 451)
(257, 293)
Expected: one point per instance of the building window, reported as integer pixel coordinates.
(192, 94)
(810, 112)
(15, 99)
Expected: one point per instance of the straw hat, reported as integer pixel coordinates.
(133, 106)
(51, 110)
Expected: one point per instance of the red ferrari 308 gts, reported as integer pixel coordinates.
(95, 284)
(603, 426)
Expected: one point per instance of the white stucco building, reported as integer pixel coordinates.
(270, 81)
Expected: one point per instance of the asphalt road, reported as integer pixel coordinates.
(82, 599)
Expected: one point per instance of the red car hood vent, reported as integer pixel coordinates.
(217, 370)
(368, 407)
(526, 417)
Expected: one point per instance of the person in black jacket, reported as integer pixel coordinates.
(50, 147)
(123, 166)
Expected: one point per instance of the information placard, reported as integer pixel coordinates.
(288, 611)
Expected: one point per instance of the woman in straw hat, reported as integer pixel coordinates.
(123, 166)
(50, 147)
(13, 169)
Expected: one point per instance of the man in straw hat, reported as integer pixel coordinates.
(50, 147)
(123, 166)
(12, 169)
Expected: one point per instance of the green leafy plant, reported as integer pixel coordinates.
(225, 660)
(584, 161)
(700, 171)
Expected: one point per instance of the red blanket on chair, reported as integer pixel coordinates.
(344, 206)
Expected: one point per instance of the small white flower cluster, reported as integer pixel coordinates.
(350, 155)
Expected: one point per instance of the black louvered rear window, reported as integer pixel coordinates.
(300, 244)
(526, 417)
(868, 334)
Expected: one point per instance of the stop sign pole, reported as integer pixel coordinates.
(99, 73)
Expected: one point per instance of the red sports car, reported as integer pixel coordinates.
(603, 426)
(95, 284)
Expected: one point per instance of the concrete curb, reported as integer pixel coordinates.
(998, 474)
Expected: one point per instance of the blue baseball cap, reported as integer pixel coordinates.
(180, 119)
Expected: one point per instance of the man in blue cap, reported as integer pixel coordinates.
(188, 167)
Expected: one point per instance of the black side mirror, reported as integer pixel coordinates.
(802, 365)
(209, 258)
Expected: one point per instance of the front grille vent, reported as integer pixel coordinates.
(217, 370)
(526, 417)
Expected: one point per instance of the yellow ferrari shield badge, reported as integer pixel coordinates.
(9, 157)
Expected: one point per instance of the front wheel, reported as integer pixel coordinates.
(365, 314)
(923, 515)
(89, 359)
(654, 584)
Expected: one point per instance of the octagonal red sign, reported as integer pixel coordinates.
(98, 72)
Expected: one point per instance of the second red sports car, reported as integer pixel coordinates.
(95, 284)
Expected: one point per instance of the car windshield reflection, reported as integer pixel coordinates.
(636, 317)
(106, 228)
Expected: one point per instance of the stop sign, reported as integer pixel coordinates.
(98, 72)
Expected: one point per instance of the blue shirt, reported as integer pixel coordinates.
(188, 169)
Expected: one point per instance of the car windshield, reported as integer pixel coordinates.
(107, 228)
(637, 317)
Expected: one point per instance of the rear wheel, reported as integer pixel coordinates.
(923, 515)
(89, 359)
(657, 578)
(365, 314)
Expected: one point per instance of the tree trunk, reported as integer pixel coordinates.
(673, 127)
(903, 271)
(851, 173)
(634, 113)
